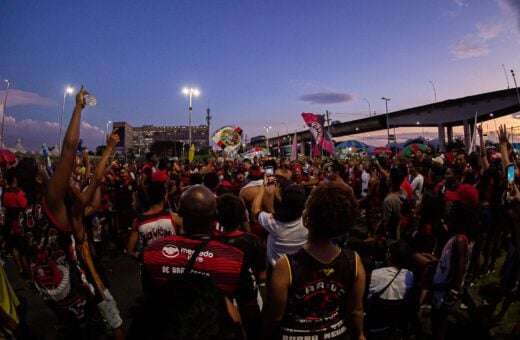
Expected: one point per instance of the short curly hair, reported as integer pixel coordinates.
(330, 211)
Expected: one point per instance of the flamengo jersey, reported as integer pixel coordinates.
(225, 264)
(154, 227)
(56, 269)
(317, 296)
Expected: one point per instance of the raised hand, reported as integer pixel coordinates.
(503, 137)
(113, 139)
(479, 129)
(80, 97)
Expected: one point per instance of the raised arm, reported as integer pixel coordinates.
(503, 141)
(483, 153)
(59, 183)
(88, 194)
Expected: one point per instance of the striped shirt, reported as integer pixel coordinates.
(225, 264)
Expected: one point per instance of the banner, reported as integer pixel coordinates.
(228, 138)
(316, 124)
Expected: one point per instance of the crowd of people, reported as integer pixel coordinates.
(262, 248)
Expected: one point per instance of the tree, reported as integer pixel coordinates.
(166, 148)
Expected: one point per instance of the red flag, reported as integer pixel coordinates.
(278, 140)
(316, 127)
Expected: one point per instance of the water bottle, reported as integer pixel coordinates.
(90, 100)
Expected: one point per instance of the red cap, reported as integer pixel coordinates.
(465, 194)
(159, 176)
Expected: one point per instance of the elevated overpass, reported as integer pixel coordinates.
(443, 115)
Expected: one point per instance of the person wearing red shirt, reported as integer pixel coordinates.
(15, 202)
(169, 257)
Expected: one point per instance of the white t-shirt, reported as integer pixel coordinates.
(399, 287)
(365, 178)
(284, 237)
(417, 185)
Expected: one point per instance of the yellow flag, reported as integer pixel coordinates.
(191, 153)
(8, 301)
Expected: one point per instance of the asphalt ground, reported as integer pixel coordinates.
(123, 274)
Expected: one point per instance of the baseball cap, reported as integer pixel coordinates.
(465, 194)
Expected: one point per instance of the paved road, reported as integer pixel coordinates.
(122, 272)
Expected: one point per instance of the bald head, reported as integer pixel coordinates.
(198, 209)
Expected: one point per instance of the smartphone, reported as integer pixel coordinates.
(269, 170)
(510, 173)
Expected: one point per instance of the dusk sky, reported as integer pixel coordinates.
(256, 63)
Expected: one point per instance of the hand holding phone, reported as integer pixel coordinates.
(511, 173)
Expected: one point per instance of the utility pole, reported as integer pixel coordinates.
(208, 120)
(327, 113)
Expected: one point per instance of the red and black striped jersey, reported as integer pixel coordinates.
(223, 263)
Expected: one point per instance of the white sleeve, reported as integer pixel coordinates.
(267, 221)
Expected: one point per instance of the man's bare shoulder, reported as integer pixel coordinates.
(248, 193)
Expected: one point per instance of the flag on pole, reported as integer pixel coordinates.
(474, 136)
(315, 149)
(294, 148)
(278, 140)
(316, 125)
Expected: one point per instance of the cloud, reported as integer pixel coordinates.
(511, 7)
(460, 3)
(19, 97)
(476, 45)
(469, 47)
(327, 98)
(34, 133)
(489, 30)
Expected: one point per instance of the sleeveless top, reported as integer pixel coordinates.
(317, 296)
(56, 269)
(154, 227)
(443, 271)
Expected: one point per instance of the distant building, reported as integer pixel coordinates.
(141, 138)
(126, 133)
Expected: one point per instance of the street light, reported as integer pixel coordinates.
(2, 144)
(67, 91)
(387, 126)
(109, 122)
(287, 131)
(369, 108)
(267, 128)
(190, 92)
(434, 92)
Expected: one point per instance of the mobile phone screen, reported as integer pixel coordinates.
(269, 170)
(511, 173)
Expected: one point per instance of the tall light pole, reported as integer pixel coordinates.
(67, 91)
(387, 126)
(2, 144)
(434, 91)
(267, 128)
(109, 122)
(369, 108)
(190, 92)
(287, 132)
(516, 86)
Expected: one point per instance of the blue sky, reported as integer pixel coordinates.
(256, 63)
